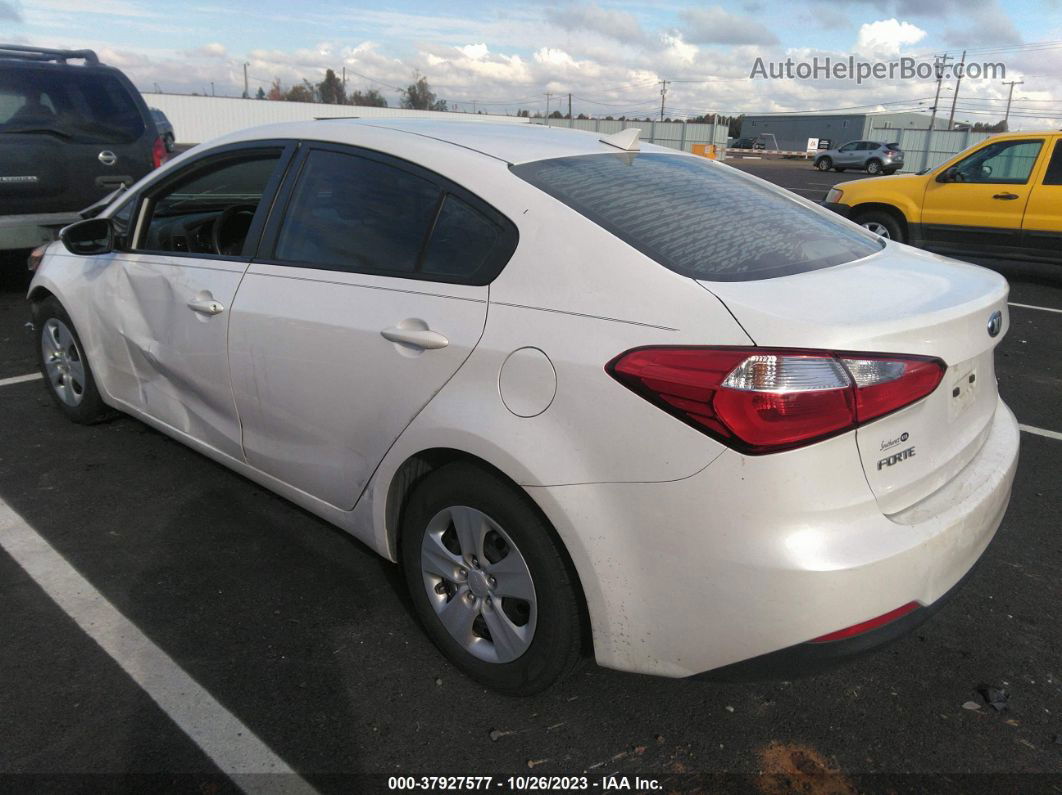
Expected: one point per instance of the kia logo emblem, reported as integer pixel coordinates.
(107, 157)
(995, 324)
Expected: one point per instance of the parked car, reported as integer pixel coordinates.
(746, 143)
(870, 156)
(558, 380)
(69, 135)
(1000, 197)
(165, 129)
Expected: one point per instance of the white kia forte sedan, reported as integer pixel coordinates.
(594, 398)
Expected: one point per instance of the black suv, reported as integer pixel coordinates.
(69, 135)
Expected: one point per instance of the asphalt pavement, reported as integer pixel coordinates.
(307, 638)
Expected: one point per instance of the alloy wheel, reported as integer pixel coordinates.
(63, 362)
(479, 584)
(878, 229)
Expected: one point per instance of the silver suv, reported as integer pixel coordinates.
(870, 156)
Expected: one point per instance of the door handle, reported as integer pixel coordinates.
(418, 338)
(206, 306)
(1006, 196)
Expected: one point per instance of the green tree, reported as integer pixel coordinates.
(419, 96)
(261, 93)
(301, 93)
(331, 90)
(369, 98)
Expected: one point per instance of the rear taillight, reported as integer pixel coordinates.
(760, 400)
(158, 152)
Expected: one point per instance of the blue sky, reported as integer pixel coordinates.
(507, 55)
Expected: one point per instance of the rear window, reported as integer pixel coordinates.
(82, 106)
(894, 147)
(699, 218)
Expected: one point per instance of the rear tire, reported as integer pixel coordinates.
(63, 364)
(874, 168)
(881, 223)
(462, 525)
(824, 164)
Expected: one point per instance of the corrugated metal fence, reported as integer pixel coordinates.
(675, 134)
(925, 148)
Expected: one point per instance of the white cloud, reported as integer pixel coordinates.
(887, 37)
(476, 52)
(212, 50)
(618, 25)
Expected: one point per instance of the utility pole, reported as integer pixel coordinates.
(954, 99)
(570, 117)
(941, 62)
(246, 89)
(344, 82)
(212, 89)
(1010, 96)
(663, 94)
(548, 95)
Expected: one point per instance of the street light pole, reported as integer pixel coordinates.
(246, 89)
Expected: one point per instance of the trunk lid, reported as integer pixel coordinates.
(902, 301)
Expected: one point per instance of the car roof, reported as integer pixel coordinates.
(511, 142)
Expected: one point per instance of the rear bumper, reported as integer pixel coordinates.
(30, 231)
(755, 556)
(806, 659)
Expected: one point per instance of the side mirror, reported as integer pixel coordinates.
(90, 237)
(947, 175)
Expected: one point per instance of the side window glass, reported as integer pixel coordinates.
(462, 241)
(1005, 163)
(210, 211)
(849, 147)
(122, 219)
(357, 214)
(1054, 168)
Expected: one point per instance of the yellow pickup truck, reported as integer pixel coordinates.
(1001, 197)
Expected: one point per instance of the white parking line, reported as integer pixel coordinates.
(1041, 308)
(221, 735)
(20, 379)
(1041, 431)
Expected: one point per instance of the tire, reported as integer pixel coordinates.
(883, 224)
(64, 366)
(545, 634)
(168, 142)
(874, 167)
(824, 164)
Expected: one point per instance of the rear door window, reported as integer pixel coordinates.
(1054, 168)
(699, 218)
(368, 213)
(82, 106)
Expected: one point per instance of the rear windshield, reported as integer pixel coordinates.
(81, 106)
(699, 218)
(892, 146)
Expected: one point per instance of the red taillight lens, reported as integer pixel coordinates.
(158, 152)
(760, 400)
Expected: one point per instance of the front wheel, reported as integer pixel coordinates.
(64, 366)
(882, 224)
(489, 582)
(824, 164)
